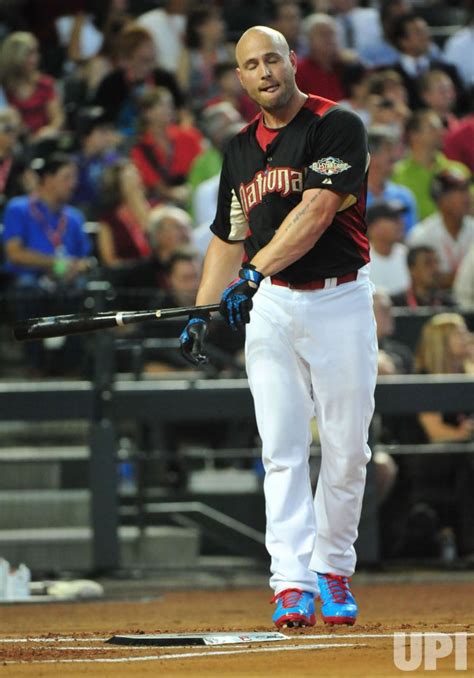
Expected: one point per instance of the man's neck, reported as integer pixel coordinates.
(284, 115)
(382, 248)
(423, 293)
(452, 224)
(375, 184)
(158, 132)
(424, 156)
(53, 204)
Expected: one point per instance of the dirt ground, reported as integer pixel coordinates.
(62, 640)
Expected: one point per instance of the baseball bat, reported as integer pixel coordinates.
(64, 325)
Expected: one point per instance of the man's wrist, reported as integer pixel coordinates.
(249, 273)
(205, 316)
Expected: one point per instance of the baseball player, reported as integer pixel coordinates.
(290, 216)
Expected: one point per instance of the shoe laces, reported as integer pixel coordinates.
(289, 597)
(338, 587)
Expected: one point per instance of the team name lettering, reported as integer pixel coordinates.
(282, 180)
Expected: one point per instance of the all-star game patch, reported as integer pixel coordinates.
(330, 166)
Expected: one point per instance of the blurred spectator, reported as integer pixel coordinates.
(286, 16)
(357, 27)
(184, 274)
(218, 121)
(464, 281)
(124, 220)
(438, 93)
(436, 490)
(387, 102)
(170, 229)
(458, 142)
(80, 85)
(388, 267)
(424, 132)
(46, 252)
(204, 48)
(15, 179)
(382, 53)
(459, 48)
(382, 145)
(79, 35)
(43, 235)
(388, 84)
(386, 113)
(321, 72)
(28, 90)
(450, 230)
(394, 357)
(444, 348)
(167, 25)
(164, 151)
(95, 154)
(205, 199)
(112, 18)
(355, 83)
(425, 278)
(119, 91)
(412, 39)
(230, 90)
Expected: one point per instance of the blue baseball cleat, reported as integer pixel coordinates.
(294, 608)
(338, 603)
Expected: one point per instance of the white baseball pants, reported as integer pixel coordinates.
(313, 352)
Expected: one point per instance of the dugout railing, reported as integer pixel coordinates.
(159, 401)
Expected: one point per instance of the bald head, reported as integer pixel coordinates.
(257, 36)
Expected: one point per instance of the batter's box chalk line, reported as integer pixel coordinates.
(189, 655)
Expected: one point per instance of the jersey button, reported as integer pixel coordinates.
(269, 159)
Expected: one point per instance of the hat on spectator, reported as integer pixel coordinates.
(384, 209)
(449, 179)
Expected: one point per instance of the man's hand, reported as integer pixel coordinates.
(236, 301)
(192, 339)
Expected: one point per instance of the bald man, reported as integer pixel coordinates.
(290, 225)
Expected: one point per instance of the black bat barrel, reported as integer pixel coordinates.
(65, 325)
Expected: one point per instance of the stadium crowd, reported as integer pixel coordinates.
(113, 118)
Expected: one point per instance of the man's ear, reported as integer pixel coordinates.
(294, 60)
(237, 70)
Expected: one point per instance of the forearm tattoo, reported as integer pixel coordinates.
(302, 211)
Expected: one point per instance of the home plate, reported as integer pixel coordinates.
(183, 639)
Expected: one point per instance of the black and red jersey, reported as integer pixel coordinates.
(265, 173)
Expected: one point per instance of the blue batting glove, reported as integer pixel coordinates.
(192, 339)
(236, 301)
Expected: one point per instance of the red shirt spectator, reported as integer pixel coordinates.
(458, 142)
(33, 109)
(168, 165)
(28, 90)
(312, 78)
(321, 72)
(165, 151)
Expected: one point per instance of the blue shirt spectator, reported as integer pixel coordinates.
(398, 194)
(97, 151)
(383, 144)
(31, 221)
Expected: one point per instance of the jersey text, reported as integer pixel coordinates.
(283, 180)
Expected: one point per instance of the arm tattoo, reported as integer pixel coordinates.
(301, 212)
